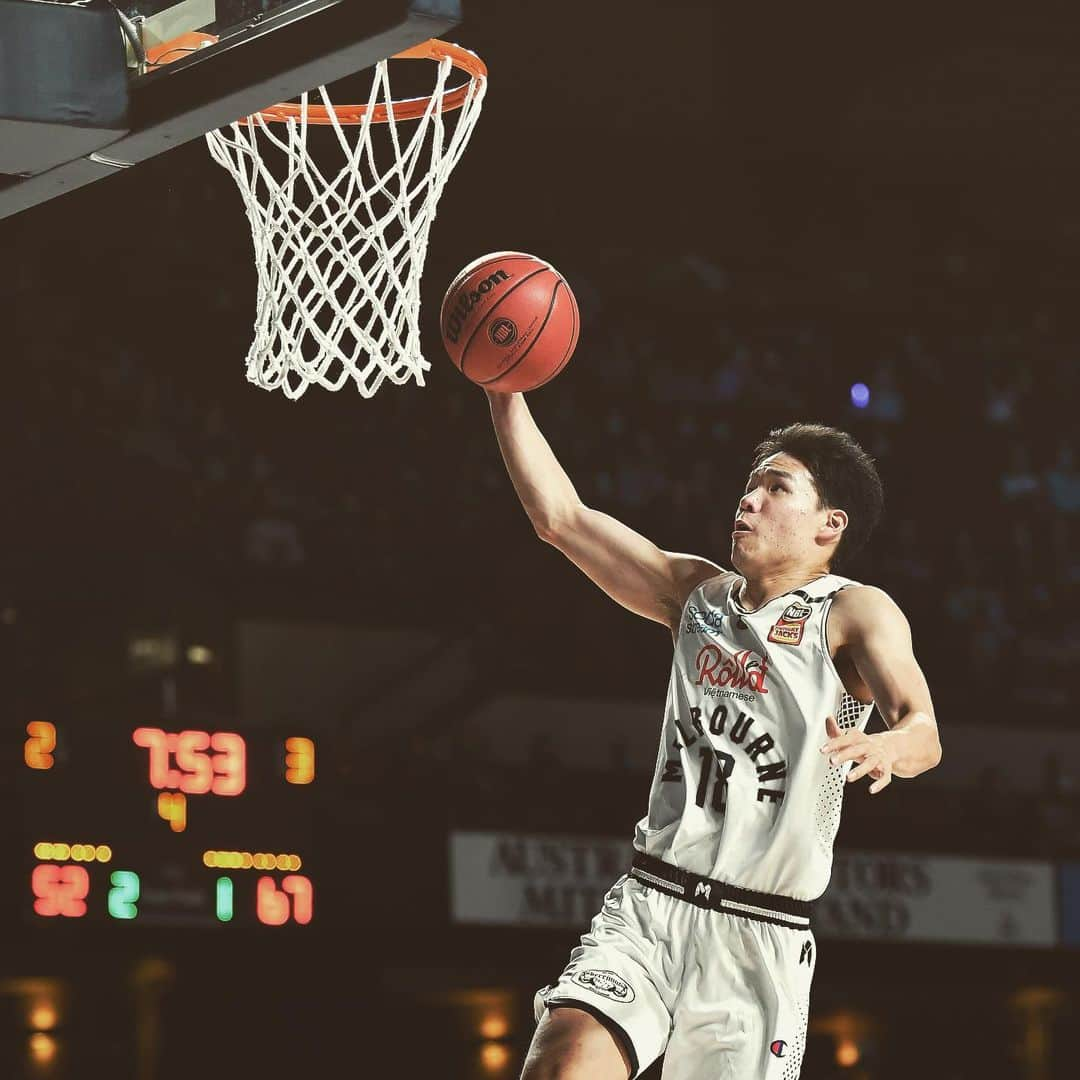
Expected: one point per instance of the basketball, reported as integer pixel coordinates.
(509, 321)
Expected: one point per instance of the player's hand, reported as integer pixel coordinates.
(875, 754)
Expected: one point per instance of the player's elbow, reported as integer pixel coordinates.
(554, 525)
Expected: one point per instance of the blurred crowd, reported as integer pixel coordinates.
(151, 454)
(147, 482)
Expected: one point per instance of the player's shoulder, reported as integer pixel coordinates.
(696, 573)
(690, 573)
(857, 608)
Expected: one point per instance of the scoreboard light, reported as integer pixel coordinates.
(299, 760)
(119, 786)
(196, 772)
(76, 852)
(37, 750)
(245, 860)
(172, 806)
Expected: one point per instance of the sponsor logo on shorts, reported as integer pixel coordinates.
(778, 1048)
(806, 953)
(703, 621)
(703, 889)
(606, 984)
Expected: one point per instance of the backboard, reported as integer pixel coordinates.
(267, 51)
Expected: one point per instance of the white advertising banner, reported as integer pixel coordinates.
(522, 880)
(887, 896)
(518, 879)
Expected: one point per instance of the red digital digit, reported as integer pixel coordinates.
(300, 889)
(229, 763)
(60, 890)
(271, 906)
(37, 752)
(157, 742)
(196, 767)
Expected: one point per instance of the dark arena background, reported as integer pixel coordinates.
(436, 734)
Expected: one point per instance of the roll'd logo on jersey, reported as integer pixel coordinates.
(744, 670)
(467, 300)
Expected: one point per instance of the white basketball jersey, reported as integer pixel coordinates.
(742, 793)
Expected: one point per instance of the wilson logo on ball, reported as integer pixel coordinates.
(468, 300)
(502, 332)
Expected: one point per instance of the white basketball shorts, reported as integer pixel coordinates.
(724, 994)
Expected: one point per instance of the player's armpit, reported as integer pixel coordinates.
(630, 568)
(868, 625)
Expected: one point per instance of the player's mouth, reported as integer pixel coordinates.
(740, 527)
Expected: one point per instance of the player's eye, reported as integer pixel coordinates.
(776, 487)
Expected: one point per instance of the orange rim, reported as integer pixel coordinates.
(179, 47)
(407, 109)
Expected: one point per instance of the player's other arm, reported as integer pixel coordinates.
(868, 624)
(631, 569)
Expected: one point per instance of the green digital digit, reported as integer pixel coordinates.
(224, 898)
(124, 894)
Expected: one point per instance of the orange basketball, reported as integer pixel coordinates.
(509, 321)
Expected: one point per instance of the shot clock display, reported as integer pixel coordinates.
(151, 826)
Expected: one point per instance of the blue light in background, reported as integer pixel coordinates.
(860, 395)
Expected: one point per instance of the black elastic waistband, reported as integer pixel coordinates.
(718, 896)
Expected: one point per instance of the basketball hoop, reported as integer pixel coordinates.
(340, 248)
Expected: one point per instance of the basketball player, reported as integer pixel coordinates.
(704, 950)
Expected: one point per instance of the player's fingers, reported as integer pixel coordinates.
(862, 770)
(880, 785)
(848, 753)
(851, 738)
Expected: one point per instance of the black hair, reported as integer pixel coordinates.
(844, 475)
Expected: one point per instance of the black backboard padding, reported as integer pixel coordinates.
(63, 83)
(251, 72)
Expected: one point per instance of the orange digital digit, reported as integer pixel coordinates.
(196, 766)
(299, 887)
(299, 760)
(172, 806)
(37, 752)
(230, 763)
(60, 890)
(271, 906)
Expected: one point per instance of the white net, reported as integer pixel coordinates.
(340, 247)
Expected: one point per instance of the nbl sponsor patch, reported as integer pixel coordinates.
(786, 633)
(788, 630)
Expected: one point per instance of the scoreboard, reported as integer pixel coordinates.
(166, 826)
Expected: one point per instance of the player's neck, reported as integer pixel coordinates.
(757, 590)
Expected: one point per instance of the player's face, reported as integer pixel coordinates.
(779, 520)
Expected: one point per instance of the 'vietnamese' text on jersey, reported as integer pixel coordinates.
(742, 793)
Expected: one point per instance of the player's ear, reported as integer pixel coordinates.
(835, 523)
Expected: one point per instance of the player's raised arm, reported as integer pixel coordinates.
(629, 568)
